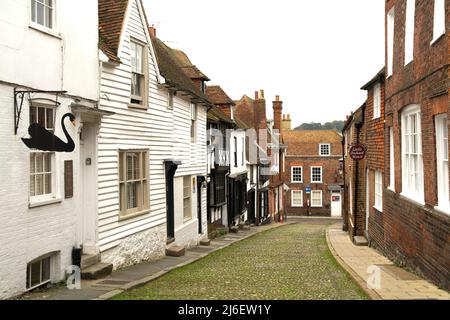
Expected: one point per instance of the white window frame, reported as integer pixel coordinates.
(390, 41)
(412, 181)
(321, 198)
(324, 145)
(42, 281)
(312, 174)
(438, 20)
(377, 100)
(409, 30)
(293, 203)
(391, 159)
(36, 200)
(44, 27)
(378, 181)
(442, 162)
(292, 174)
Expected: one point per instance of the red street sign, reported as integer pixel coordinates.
(358, 152)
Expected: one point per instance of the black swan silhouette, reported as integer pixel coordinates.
(44, 140)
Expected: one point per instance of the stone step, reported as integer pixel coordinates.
(205, 243)
(175, 251)
(361, 241)
(234, 229)
(88, 260)
(97, 271)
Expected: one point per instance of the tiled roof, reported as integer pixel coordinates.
(111, 16)
(217, 115)
(306, 142)
(244, 111)
(379, 76)
(217, 96)
(318, 136)
(194, 73)
(170, 69)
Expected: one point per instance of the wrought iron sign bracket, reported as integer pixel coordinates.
(19, 96)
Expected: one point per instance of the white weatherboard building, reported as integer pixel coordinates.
(152, 151)
(44, 196)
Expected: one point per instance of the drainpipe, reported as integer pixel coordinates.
(345, 225)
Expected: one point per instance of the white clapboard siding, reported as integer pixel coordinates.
(131, 129)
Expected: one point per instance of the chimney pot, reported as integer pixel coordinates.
(152, 31)
(261, 93)
(256, 95)
(277, 98)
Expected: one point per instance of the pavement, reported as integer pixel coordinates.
(141, 274)
(387, 281)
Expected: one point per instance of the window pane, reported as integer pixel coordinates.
(139, 56)
(131, 195)
(50, 118)
(133, 56)
(48, 17)
(33, 10)
(35, 274)
(41, 116)
(136, 83)
(129, 166)
(40, 13)
(46, 269)
(48, 183)
(39, 162)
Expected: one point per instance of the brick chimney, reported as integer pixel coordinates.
(277, 113)
(152, 31)
(259, 112)
(286, 123)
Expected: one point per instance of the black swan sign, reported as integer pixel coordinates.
(42, 139)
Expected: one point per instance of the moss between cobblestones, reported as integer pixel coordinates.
(288, 263)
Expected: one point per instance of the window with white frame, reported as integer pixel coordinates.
(442, 161)
(377, 101)
(316, 198)
(133, 182)
(193, 121)
(187, 195)
(324, 149)
(412, 160)
(390, 41)
(316, 174)
(38, 273)
(297, 175)
(297, 198)
(391, 159)
(378, 191)
(138, 73)
(42, 13)
(439, 19)
(409, 30)
(42, 169)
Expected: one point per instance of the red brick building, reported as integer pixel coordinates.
(313, 161)
(354, 205)
(416, 207)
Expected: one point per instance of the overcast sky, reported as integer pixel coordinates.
(315, 54)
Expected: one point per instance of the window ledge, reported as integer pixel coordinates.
(137, 106)
(133, 215)
(44, 30)
(444, 210)
(435, 40)
(42, 203)
(411, 198)
(378, 209)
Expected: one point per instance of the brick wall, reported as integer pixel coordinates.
(417, 235)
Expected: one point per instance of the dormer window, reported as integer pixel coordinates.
(42, 13)
(324, 149)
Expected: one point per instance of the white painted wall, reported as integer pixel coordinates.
(62, 59)
(43, 61)
(150, 130)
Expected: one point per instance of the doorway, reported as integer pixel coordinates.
(171, 168)
(336, 204)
